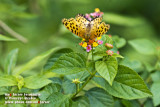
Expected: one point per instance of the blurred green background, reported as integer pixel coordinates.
(40, 22)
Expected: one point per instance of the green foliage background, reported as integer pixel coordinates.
(40, 21)
(135, 21)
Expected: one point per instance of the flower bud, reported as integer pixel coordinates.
(109, 46)
(109, 52)
(117, 52)
(110, 36)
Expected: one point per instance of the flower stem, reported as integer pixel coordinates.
(89, 78)
(87, 56)
(77, 87)
(92, 54)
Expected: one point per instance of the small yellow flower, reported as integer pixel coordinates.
(83, 39)
(97, 10)
(84, 44)
(95, 44)
(76, 81)
(98, 38)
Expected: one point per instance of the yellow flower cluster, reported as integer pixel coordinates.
(95, 44)
(84, 44)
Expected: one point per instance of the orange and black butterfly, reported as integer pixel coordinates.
(88, 30)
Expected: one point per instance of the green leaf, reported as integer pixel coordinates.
(68, 87)
(149, 67)
(5, 38)
(56, 80)
(55, 57)
(155, 76)
(107, 39)
(4, 90)
(58, 100)
(70, 63)
(48, 90)
(20, 81)
(130, 103)
(15, 105)
(107, 69)
(133, 64)
(80, 75)
(127, 84)
(117, 55)
(148, 103)
(35, 61)
(143, 46)
(156, 93)
(36, 82)
(7, 80)
(82, 101)
(117, 103)
(157, 65)
(99, 98)
(10, 61)
(26, 90)
(120, 42)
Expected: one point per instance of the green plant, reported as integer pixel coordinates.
(101, 78)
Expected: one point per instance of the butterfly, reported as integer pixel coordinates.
(84, 28)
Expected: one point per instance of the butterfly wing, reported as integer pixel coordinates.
(98, 28)
(71, 25)
(94, 23)
(77, 25)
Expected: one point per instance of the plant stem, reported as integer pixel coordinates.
(77, 87)
(87, 56)
(98, 76)
(89, 78)
(92, 54)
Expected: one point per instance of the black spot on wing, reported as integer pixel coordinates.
(66, 23)
(105, 29)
